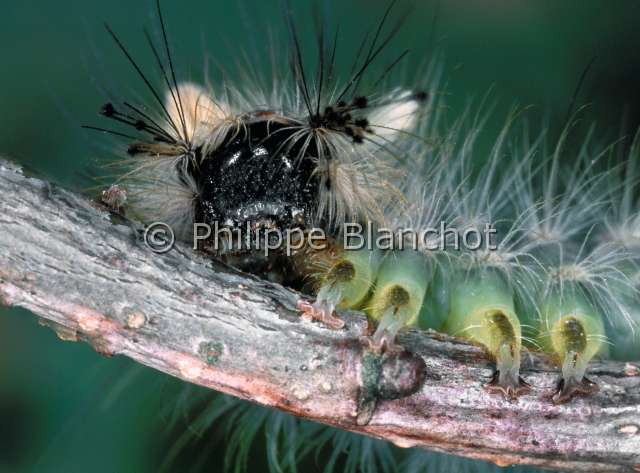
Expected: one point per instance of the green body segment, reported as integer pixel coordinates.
(573, 330)
(624, 331)
(626, 339)
(435, 306)
(482, 309)
(348, 281)
(399, 293)
(365, 264)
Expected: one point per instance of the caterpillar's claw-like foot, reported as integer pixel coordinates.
(322, 313)
(509, 386)
(571, 387)
(384, 338)
(507, 380)
(574, 382)
(384, 343)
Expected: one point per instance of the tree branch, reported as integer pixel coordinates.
(92, 278)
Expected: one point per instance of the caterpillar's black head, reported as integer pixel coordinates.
(260, 177)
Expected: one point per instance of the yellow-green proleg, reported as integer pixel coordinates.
(344, 282)
(399, 292)
(482, 309)
(573, 330)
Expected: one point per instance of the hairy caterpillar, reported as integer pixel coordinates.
(297, 154)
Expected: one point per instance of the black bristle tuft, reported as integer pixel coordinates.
(360, 102)
(422, 96)
(108, 110)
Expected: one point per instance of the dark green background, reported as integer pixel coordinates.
(63, 407)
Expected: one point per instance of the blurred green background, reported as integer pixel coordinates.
(65, 408)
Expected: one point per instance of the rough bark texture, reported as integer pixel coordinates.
(92, 278)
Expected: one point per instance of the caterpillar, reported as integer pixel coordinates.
(306, 149)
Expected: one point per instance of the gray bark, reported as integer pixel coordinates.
(91, 277)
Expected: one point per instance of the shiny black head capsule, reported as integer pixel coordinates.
(260, 176)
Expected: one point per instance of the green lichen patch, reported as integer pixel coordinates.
(211, 351)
